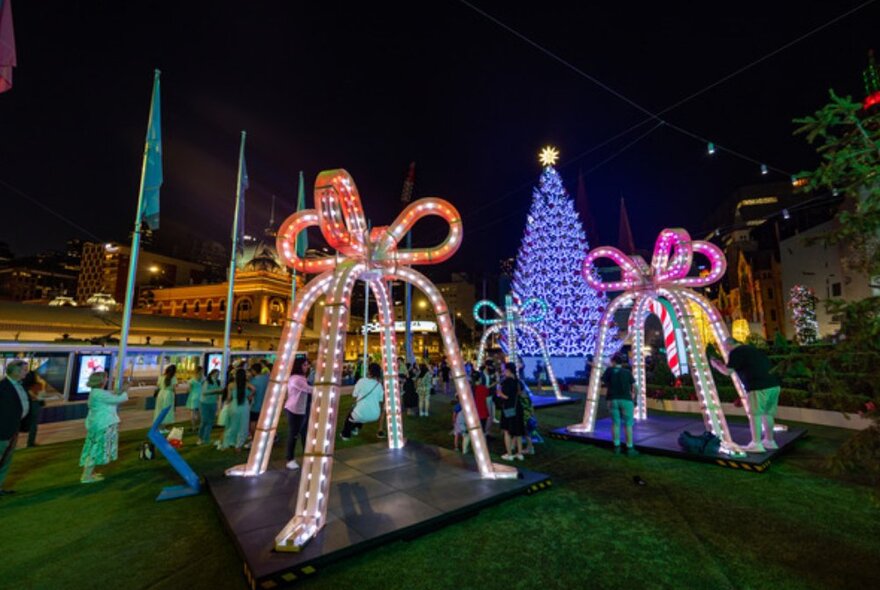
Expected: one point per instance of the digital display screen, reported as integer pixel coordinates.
(215, 361)
(88, 364)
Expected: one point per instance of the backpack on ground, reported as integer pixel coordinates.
(704, 444)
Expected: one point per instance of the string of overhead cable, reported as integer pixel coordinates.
(712, 147)
(516, 210)
(51, 211)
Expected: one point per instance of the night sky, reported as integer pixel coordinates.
(370, 87)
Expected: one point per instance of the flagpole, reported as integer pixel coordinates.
(135, 248)
(239, 196)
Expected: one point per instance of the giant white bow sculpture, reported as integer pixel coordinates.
(361, 254)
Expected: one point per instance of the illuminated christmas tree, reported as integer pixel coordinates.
(548, 267)
(803, 312)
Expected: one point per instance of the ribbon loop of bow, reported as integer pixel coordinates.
(339, 215)
(513, 304)
(670, 264)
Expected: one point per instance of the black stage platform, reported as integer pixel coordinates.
(546, 401)
(658, 435)
(545, 398)
(377, 496)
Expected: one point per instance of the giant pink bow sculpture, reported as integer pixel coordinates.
(667, 282)
(361, 254)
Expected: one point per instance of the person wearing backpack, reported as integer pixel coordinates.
(368, 395)
(619, 383)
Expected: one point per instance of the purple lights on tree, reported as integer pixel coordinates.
(548, 267)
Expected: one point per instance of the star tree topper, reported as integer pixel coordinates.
(548, 156)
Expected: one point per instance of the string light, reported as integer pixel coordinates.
(711, 148)
(764, 170)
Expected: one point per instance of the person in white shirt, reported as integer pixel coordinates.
(368, 395)
(102, 427)
(298, 392)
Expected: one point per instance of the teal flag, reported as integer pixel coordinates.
(302, 240)
(151, 181)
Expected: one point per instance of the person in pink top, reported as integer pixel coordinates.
(298, 392)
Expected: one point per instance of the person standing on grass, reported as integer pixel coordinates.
(753, 368)
(239, 394)
(194, 399)
(481, 395)
(212, 391)
(35, 387)
(531, 422)
(619, 384)
(368, 396)
(298, 392)
(423, 389)
(15, 415)
(444, 375)
(410, 394)
(512, 421)
(490, 380)
(165, 397)
(260, 381)
(102, 427)
(459, 428)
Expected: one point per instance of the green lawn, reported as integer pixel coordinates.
(692, 526)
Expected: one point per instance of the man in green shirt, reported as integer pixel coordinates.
(618, 381)
(753, 368)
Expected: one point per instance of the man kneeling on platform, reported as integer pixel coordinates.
(753, 368)
(368, 396)
(619, 383)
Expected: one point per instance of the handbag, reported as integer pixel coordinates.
(147, 451)
(509, 412)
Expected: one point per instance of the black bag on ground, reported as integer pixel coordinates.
(147, 451)
(704, 444)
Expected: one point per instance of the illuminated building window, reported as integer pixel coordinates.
(757, 201)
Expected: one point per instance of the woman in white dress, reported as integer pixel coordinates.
(165, 396)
